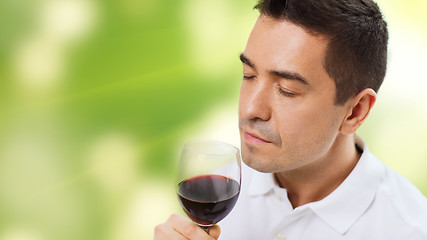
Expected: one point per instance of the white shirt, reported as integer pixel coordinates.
(373, 203)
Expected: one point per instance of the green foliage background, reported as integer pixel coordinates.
(97, 97)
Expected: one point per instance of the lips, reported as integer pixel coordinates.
(253, 138)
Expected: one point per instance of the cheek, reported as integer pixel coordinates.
(292, 120)
(306, 127)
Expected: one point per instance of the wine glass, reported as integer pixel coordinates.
(209, 177)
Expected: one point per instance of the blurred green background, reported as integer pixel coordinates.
(97, 98)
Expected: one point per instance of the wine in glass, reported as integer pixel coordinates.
(209, 177)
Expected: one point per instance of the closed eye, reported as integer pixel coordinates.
(285, 93)
(245, 77)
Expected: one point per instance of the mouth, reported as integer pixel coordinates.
(253, 138)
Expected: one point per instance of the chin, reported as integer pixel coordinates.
(269, 164)
(261, 165)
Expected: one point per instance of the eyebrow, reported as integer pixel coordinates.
(246, 61)
(282, 74)
(290, 76)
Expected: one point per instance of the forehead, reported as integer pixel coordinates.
(280, 45)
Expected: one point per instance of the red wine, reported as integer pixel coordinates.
(209, 198)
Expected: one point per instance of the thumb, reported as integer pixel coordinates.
(214, 231)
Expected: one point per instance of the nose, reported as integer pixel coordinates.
(254, 102)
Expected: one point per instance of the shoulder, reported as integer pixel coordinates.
(408, 202)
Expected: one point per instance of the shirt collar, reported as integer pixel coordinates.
(348, 202)
(261, 183)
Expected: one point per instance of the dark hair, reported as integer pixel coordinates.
(356, 56)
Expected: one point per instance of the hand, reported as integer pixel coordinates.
(178, 227)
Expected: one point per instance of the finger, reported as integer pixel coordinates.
(165, 232)
(214, 231)
(187, 228)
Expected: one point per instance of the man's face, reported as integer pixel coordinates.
(287, 115)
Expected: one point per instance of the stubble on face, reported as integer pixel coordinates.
(298, 130)
(262, 130)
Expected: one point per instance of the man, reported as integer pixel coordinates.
(311, 72)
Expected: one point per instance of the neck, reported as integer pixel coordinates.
(319, 179)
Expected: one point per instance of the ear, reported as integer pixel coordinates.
(358, 109)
